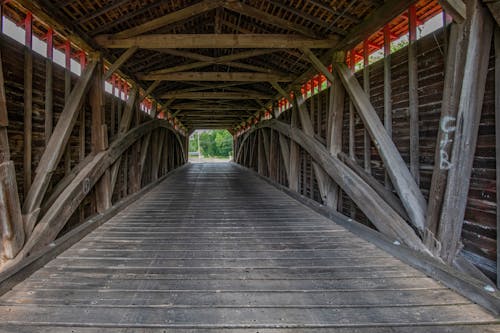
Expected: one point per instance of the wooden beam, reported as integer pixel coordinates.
(467, 127)
(260, 15)
(228, 60)
(405, 185)
(54, 150)
(215, 41)
(325, 184)
(215, 95)
(67, 93)
(497, 140)
(177, 16)
(99, 137)
(28, 110)
(143, 155)
(267, 150)
(385, 219)
(454, 8)
(318, 64)
(367, 156)
(387, 89)
(285, 154)
(374, 22)
(293, 181)
(384, 193)
(123, 128)
(120, 61)
(281, 91)
(335, 124)
(151, 88)
(213, 107)
(49, 91)
(216, 76)
(59, 213)
(335, 121)
(413, 94)
(156, 150)
(11, 221)
(494, 6)
(453, 77)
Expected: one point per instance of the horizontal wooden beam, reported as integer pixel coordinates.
(215, 41)
(216, 76)
(214, 108)
(215, 95)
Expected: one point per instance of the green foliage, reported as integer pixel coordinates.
(213, 143)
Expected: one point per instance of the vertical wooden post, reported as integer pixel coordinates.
(352, 129)
(49, 100)
(293, 181)
(325, 183)
(387, 90)
(67, 92)
(99, 136)
(265, 142)
(497, 140)
(261, 158)
(453, 77)
(11, 221)
(366, 88)
(335, 124)
(467, 127)
(28, 102)
(413, 94)
(82, 119)
(113, 103)
(120, 103)
(285, 154)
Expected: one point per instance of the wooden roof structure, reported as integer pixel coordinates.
(213, 63)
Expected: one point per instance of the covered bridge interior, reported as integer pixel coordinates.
(363, 192)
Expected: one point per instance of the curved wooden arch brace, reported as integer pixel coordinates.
(68, 201)
(383, 216)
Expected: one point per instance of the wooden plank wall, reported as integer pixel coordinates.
(479, 231)
(13, 66)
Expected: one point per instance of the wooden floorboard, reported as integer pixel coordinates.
(215, 249)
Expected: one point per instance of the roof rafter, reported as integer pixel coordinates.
(216, 76)
(215, 41)
(182, 14)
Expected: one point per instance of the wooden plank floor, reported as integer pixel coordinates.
(217, 249)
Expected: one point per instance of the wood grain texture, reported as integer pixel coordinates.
(270, 264)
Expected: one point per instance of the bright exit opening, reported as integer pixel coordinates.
(210, 146)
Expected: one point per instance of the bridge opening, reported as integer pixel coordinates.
(210, 146)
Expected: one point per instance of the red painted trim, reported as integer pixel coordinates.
(387, 40)
(50, 44)
(83, 59)
(366, 53)
(28, 26)
(412, 14)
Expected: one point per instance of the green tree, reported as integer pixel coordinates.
(213, 143)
